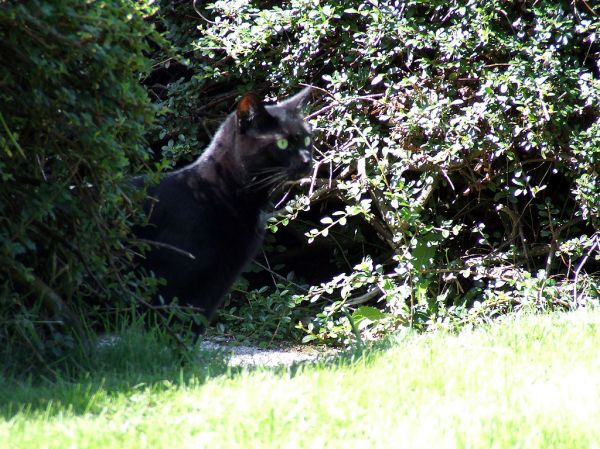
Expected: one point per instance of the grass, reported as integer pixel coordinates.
(529, 382)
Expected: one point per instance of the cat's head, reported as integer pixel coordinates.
(274, 141)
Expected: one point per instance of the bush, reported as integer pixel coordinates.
(72, 118)
(456, 175)
(457, 154)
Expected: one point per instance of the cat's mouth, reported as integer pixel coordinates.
(300, 168)
(297, 173)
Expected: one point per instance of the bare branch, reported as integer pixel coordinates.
(167, 246)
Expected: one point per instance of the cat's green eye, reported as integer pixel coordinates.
(282, 144)
(306, 141)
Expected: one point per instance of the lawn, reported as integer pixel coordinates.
(527, 382)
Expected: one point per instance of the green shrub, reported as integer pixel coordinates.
(457, 154)
(72, 117)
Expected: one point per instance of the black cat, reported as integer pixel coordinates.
(206, 219)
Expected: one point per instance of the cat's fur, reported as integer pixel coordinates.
(206, 218)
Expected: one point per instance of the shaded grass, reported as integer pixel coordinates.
(528, 382)
(133, 360)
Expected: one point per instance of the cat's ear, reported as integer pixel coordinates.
(298, 101)
(251, 112)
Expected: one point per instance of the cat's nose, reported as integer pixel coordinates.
(305, 161)
(305, 157)
(302, 163)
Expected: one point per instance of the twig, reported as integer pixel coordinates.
(12, 138)
(553, 242)
(363, 298)
(513, 218)
(167, 246)
(589, 8)
(201, 15)
(271, 272)
(596, 243)
(351, 301)
(446, 177)
(279, 276)
(343, 102)
(544, 109)
(313, 179)
(320, 89)
(523, 241)
(499, 64)
(284, 197)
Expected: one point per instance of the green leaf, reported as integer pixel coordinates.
(368, 313)
(424, 252)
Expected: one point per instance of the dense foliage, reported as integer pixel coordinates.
(456, 174)
(72, 117)
(457, 154)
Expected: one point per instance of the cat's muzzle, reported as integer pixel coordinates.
(299, 169)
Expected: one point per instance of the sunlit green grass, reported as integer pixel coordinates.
(525, 383)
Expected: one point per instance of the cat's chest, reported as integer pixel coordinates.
(205, 220)
(230, 241)
(227, 226)
(236, 230)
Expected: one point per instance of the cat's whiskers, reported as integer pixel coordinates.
(281, 183)
(266, 170)
(277, 184)
(262, 182)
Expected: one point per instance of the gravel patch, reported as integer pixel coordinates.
(245, 355)
(241, 355)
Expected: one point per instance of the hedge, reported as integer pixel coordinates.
(72, 119)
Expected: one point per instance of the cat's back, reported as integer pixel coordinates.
(190, 211)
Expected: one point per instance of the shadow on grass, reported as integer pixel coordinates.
(136, 361)
(119, 367)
